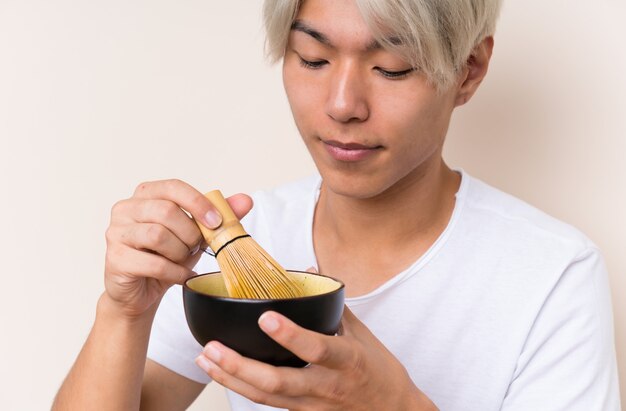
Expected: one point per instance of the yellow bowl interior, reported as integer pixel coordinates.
(311, 283)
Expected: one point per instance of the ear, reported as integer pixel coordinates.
(474, 71)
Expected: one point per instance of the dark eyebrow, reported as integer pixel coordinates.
(299, 25)
(374, 45)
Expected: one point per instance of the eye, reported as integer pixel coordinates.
(394, 74)
(312, 64)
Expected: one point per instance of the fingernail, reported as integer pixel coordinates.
(204, 363)
(213, 353)
(212, 219)
(194, 250)
(268, 323)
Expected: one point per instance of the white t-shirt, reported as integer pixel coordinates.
(508, 310)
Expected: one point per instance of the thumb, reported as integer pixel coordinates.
(241, 204)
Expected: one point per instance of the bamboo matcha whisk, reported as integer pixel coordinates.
(248, 270)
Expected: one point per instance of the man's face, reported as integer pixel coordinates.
(370, 122)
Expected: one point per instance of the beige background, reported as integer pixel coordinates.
(97, 96)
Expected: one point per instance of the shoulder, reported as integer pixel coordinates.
(513, 248)
(491, 211)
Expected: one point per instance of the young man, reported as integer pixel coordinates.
(458, 296)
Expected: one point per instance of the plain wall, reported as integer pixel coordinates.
(97, 96)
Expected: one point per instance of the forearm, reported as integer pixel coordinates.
(108, 372)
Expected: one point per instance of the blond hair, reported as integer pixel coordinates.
(435, 36)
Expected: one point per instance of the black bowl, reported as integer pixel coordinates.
(213, 316)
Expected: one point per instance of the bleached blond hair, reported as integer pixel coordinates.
(435, 36)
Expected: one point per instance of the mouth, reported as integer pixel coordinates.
(350, 151)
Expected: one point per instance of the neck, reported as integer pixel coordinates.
(415, 209)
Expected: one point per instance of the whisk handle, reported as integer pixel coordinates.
(230, 227)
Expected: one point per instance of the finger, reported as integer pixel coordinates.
(163, 212)
(253, 394)
(153, 237)
(124, 260)
(312, 347)
(312, 270)
(191, 200)
(267, 378)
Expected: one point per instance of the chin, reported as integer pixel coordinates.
(354, 185)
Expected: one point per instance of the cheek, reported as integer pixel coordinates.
(303, 97)
(416, 127)
(421, 113)
(402, 120)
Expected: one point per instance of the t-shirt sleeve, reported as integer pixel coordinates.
(171, 343)
(568, 361)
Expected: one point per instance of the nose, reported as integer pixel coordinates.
(347, 95)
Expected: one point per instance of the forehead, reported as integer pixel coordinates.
(338, 22)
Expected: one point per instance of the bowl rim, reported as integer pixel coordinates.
(263, 300)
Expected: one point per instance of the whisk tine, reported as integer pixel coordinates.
(248, 270)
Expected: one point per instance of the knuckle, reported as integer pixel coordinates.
(141, 187)
(230, 366)
(273, 384)
(156, 235)
(110, 235)
(173, 183)
(319, 353)
(168, 210)
(118, 207)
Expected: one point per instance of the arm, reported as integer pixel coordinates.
(151, 244)
(568, 361)
(165, 390)
(109, 370)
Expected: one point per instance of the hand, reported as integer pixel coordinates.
(352, 371)
(152, 243)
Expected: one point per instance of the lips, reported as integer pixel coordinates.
(349, 151)
(349, 146)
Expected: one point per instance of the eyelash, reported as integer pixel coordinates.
(312, 64)
(394, 75)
